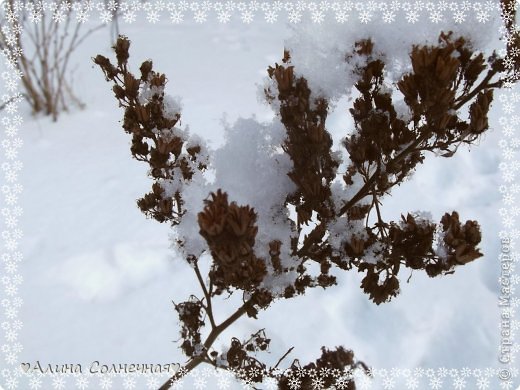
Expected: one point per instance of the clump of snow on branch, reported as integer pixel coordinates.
(320, 51)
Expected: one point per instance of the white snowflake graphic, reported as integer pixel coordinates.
(152, 382)
(58, 382)
(271, 16)
(459, 17)
(435, 383)
(35, 383)
(129, 382)
(412, 16)
(199, 383)
(153, 17)
(247, 16)
(365, 17)
(412, 383)
(200, 16)
(318, 17)
(105, 382)
(223, 381)
(176, 17)
(224, 16)
(506, 385)
(294, 16)
(294, 383)
(129, 17)
(436, 17)
(459, 383)
(388, 383)
(388, 17)
(82, 382)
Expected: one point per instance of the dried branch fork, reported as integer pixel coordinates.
(384, 149)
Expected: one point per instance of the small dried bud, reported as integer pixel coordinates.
(479, 110)
(121, 48)
(107, 67)
(119, 92)
(158, 80)
(131, 85)
(357, 245)
(194, 150)
(146, 68)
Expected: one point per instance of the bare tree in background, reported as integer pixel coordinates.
(41, 43)
(113, 7)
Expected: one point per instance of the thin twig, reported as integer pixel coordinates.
(483, 85)
(193, 363)
(368, 184)
(283, 357)
(209, 310)
(10, 100)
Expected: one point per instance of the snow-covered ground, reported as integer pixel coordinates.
(99, 278)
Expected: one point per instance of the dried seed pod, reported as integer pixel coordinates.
(121, 48)
(146, 68)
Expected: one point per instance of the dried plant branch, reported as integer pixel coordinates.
(448, 82)
(207, 294)
(208, 343)
(282, 358)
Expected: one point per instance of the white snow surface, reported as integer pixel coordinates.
(99, 278)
